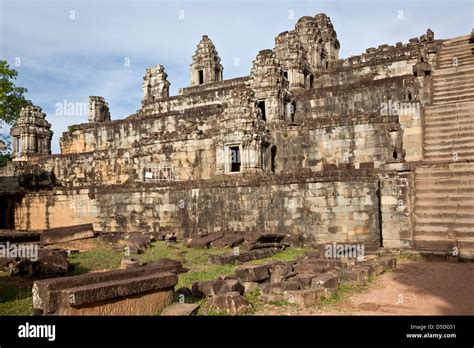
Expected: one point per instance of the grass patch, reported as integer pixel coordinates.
(206, 273)
(289, 254)
(16, 301)
(406, 255)
(95, 260)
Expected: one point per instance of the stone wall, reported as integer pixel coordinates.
(309, 208)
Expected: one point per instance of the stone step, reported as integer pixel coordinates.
(457, 40)
(461, 221)
(446, 149)
(466, 52)
(446, 115)
(465, 97)
(449, 129)
(459, 107)
(466, 80)
(447, 73)
(426, 213)
(451, 169)
(452, 52)
(453, 87)
(450, 92)
(460, 88)
(438, 141)
(441, 145)
(460, 122)
(437, 244)
(448, 61)
(435, 157)
(419, 207)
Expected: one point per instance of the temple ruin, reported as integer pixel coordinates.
(375, 149)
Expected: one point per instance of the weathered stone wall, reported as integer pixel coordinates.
(309, 208)
(396, 209)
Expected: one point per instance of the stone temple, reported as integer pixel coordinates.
(375, 149)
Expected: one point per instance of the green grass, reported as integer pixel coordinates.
(289, 254)
(95, 260)
(206, 273)
(16, 301)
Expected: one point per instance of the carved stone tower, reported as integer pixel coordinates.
(206, 66)
(31, 134)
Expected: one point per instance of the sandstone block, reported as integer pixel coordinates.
(252, 273)
(231, 303)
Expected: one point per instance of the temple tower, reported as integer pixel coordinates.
(206, 66)
(31, 134)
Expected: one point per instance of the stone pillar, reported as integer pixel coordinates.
(155, 84)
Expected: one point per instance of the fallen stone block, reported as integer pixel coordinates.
(250, 286)
(310, 268)
(387, 262)
(230, 240)
(304, 298)
(47, 293)
(368, 266)
(231, 303)
(364, 273)
(167, 265)
(324, 293)
(17, 237)
(206, 288)
(279, 288)
(304, 279)
(204, 241)
(243, 256)
(252, 273)
(271, 297)
(66, 234)
(232, 285)
(279, 271)
(180, 309)
(350, 277)
(327, 280)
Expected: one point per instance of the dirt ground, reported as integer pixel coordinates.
(414, 288)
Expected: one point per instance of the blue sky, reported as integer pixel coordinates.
(68, 50)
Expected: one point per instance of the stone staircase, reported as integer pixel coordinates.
(444, 208)
(444, 181)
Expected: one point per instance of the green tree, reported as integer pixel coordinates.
(12, 98)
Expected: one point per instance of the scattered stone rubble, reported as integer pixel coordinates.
(303, 282)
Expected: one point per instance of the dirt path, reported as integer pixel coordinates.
(414, 288)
